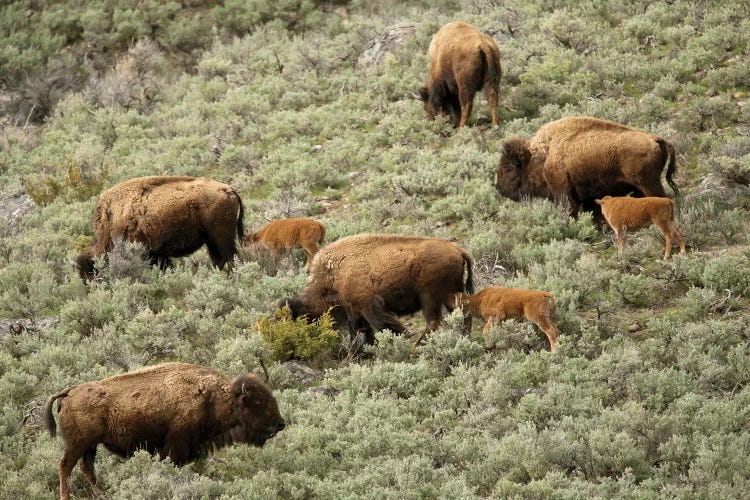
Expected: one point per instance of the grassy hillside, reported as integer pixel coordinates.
(648, 394)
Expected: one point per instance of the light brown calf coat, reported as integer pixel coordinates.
(498, 303)
(291, 233)
(623, 213)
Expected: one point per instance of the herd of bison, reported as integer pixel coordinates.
(366, 281)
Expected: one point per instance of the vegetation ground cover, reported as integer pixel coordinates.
(648, 395)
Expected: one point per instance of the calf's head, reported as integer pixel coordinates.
(255, 411)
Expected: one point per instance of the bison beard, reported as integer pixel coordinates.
(177, 410)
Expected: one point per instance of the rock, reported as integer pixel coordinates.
(13, 208)
(377, 48)
(300, 373)
(727, 192)
(19, 326)
(325, 390)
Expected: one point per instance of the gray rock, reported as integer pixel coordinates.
(300, 373)
(19, 326)
(377, 48)
(727, 192)
(13, 208)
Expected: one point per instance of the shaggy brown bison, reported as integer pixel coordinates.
(177, 410)
(171, 216)
(463, 61)
(372, 278)
(496, 303)
(291, 233)
(583, 158)
(623, 213)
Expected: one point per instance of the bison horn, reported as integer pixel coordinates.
(75, 265)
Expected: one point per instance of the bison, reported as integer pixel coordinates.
(370, 279)
(496, 303)
(178, 410)
(583, 158)
(291, 233)
(623, 213)
(172, 216)
(463, 61)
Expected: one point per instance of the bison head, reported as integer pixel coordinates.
(84, 264)
(295, 305)
(438, 100)
(255, 411)
(512, 171)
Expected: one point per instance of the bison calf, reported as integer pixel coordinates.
(497, 304)
(463, 61)
(624, 212)
(177, 410)
(291, 233)
(172, 216)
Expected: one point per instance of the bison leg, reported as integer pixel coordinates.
(65, 467)
(549, 329)
(379, 318)
(666, 229)
(492, 99)
(310, 249)
(466, 106)
(620, 233)
(87, 467)
(485, 333)
(678, 235)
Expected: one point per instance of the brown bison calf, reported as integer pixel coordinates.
(172, 216)
(291, 233)
(370, 279)
(177, 410)
(463, 61)
(624, 212)
(497, 304)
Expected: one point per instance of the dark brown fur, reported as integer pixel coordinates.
(583, 158)
(172, 216)
(376, 277)
(177, 410)
(291, 233)
(463, 61)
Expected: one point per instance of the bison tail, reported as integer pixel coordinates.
(49, 420)
(492, 63)
(240, 220)
(670, 162)
(469, 263)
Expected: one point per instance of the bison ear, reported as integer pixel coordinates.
(517, 152)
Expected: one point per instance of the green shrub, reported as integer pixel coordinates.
(315, 341)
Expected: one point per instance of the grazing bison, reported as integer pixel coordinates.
(463, 61)
(177, 410)
(372, 278)
(496, 303)
(623, 213)
(291, 233)
(583, 158)
(171, 216)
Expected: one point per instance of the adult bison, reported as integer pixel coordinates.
(463, 61)
(171, 216)
(581, 159)
(178, 410)
(372, 278)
